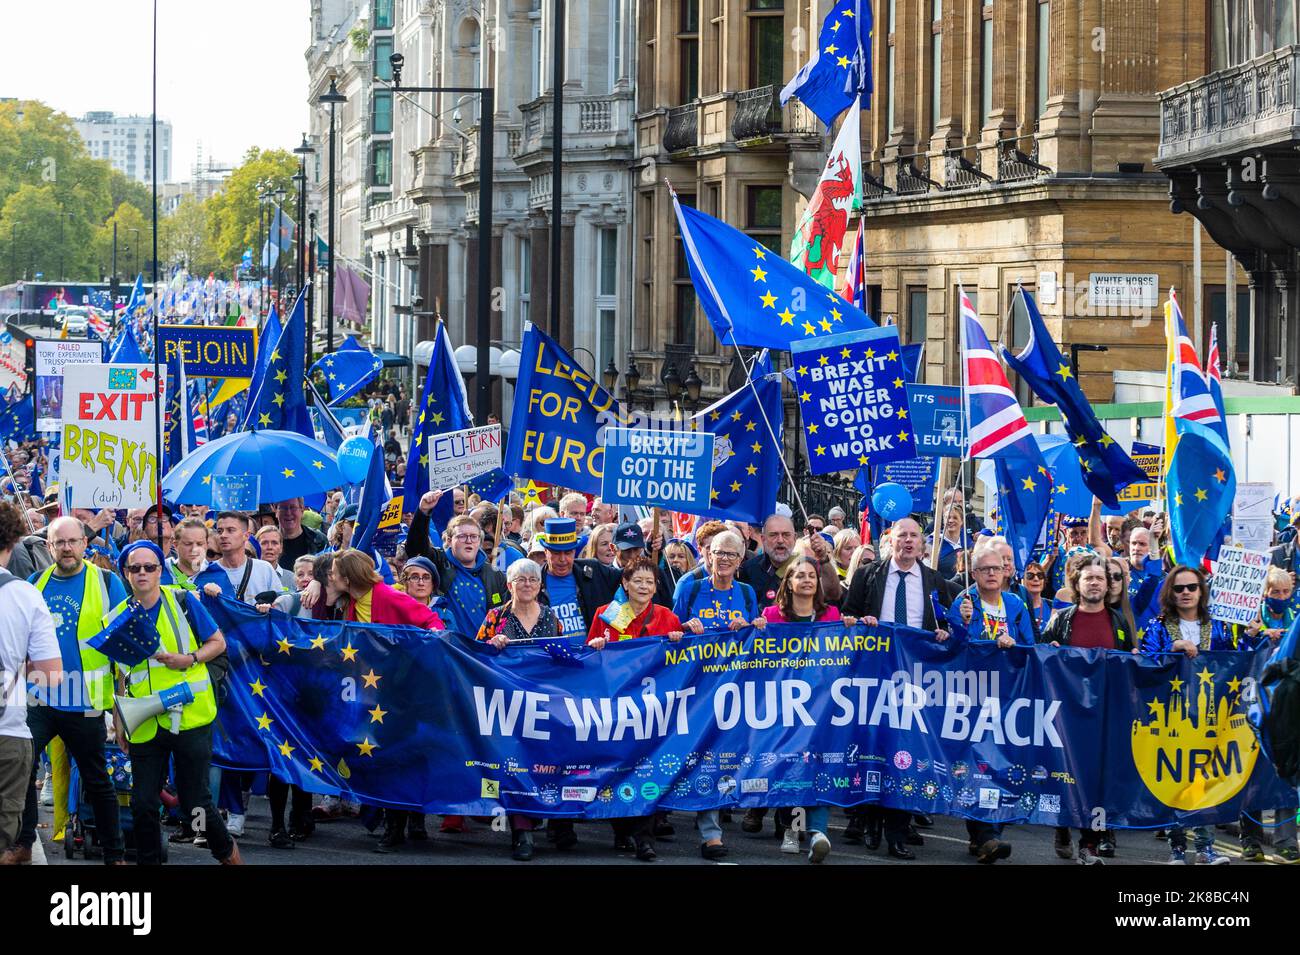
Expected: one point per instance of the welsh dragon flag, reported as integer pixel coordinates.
(820, 236)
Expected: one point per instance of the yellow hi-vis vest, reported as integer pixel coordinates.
(96, 669)
(150, 676)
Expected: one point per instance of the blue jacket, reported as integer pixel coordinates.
(1020, 627)
(1158, 639)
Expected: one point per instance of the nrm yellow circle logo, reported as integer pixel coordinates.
(1195, 750)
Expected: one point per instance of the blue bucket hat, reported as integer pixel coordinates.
(560, 533)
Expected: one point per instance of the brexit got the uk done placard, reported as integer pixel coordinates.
(853, 400)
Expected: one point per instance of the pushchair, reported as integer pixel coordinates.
(81, 833)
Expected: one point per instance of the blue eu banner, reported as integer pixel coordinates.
(937, 420)
(853, 399)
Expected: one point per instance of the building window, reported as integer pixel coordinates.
(383, 14)
(607, 321)
(381, 116)
(383, 50)
(766, 43)
(536, 84)
(1044, 56)
(986, 62)
(381, 164)
(615, 42)
(936, 61)
(683, 288)
(606, 293)
(607, 264)
(918, 308)
(763, 216)
(688, 52)
(1217, 301)
(525, 281)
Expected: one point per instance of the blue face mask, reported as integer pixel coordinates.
(1277, 605)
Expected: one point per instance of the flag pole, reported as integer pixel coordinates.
(158, 397)
(965, 423)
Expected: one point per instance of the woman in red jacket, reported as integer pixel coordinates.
(637, 616)
(370, 600)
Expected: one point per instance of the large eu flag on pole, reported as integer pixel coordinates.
(279, 396)
(751, 294)
(1107, 468)
(442, 407)
(1200, 485)
(839, 69)
(348, 369)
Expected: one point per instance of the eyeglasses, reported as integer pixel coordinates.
(1186, 588)
(141, 568)
(725, 555)
(1034, 575)
(990, 569)
(1115, 578)
(415, 578)
(527, 580)
(69, 542)
(467, 538)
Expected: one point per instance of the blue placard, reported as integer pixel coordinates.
(937, 420)
(918, 475)
(236, 492)
(211, 351)
(668, 469)
(853, 399)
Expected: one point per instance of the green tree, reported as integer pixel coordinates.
(123, 188)
(134, 243)
(233, 213)
(184, 239)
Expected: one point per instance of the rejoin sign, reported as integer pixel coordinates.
(458, 456)
(110, 434)
(668, 469)
(211, 351)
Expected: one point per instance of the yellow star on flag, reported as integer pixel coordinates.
(898, 382)
(1178, 500)
(808, 329)
(1234, 685)
(377, 715)
(207, 479)
(837, 315)
(372, 678)
(1105, 441)
(842, 61)
(278, 400)
(1028, 483)
(714, 415)
(787, 316)
(315, 764)
(318, 643)
(264, 420)
(806, 396)
(768, 300)
(287, 472)
(438, 417)
(869, 354)
(1064, 371)
(862, 459)
(903, 436)
(367, 747)
(832, 48)
(756, 447)
(1206, 677)
(750, 426)
(1219, 475)
(735, 486)
(257, 686)
(892, 356)
(1200, 494)
(1175, 685)
(902, 412)
(735, 416)
(713, 495)
(825, 325)
(286, 749)
(281, 375)
(349, 652)
(845, 353)
(812, 428)
(760, 252)
(284, 645)
(802, 370)
(318, 465)
(751, 470)
(760, 275)
(264, 722)
(822, 360)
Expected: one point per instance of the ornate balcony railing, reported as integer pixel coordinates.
(1017, 165)
(1231, 106)
(683, 131)
(758, 113)
(960, 171)
(913, 175)
(873, 182)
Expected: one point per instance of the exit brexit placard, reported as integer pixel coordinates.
(110, 434)
(852, 396)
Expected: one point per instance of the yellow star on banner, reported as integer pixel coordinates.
(735, 486)
(207, 479)
(820, 449)
(808, 329)
(278, 400)
(438, 417)
(1175, 685)
(1154, 707)
(1234, 685)
(768, 300)
(837, 315)
(902, 412)
(1105, 441)
(842, 61)
(1200, 494)
(756, 447)
(903, 436)
(264, 722)
(264, 420)
(735, 416)
(1219, 475)
(862, 459)
(372, 678)
(898, 382)
(822, 360)
(288, 472)
(825, 325)
(760, 275)
(802, 370)
(1206, 678)
(275, 354)
(1064, 371)
(286, 749)
(377, 715)
(845, 353)
(424, 461)
(257, 686)
(751, 470)
(787, 316)
(812, 428)
(315, 764)
(1178, 500)
(318, 465)
(832, 48)
(750, 426)
(367, 747)
(805, 396)
(847, 12)
(1028, 483)
(318, 643)
(892, 356)
(1061, 489)
(532, 492)
(280, 375)
(714, 415)
(349, 652)
(713, 495)
(869, 354)
(284, 645)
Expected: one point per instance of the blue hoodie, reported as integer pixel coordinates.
(466, 595)
(1020, 626)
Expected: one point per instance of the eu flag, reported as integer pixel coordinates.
(443, 407)
(1200, 485)
(839, 70)
(747, 447)
(753, 296)
(178, 425)
(18, 421)
(266, 341)
(1107, 468)
(279, 398)
(348, 370)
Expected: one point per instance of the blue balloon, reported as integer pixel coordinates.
(354, 458)
(891, 501)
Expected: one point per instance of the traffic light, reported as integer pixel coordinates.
(29, 356)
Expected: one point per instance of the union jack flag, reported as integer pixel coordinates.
(1191, 388)
(993, 414)
(855, 282)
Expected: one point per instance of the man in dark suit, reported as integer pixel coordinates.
(897, 590)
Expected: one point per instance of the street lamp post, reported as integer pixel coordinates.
(13, 249)
(311, 277)
(331, 98)
(483, 324)
(303, 151)
(277, 223)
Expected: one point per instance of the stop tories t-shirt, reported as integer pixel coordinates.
(563, 592)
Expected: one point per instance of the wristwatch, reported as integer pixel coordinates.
(195, 657)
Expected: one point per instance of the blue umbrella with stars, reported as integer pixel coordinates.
(288, 464)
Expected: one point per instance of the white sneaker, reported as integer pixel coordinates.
(790, 842)
(819, 847)
(47, 791)
(1089, 857)
(235, 824)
